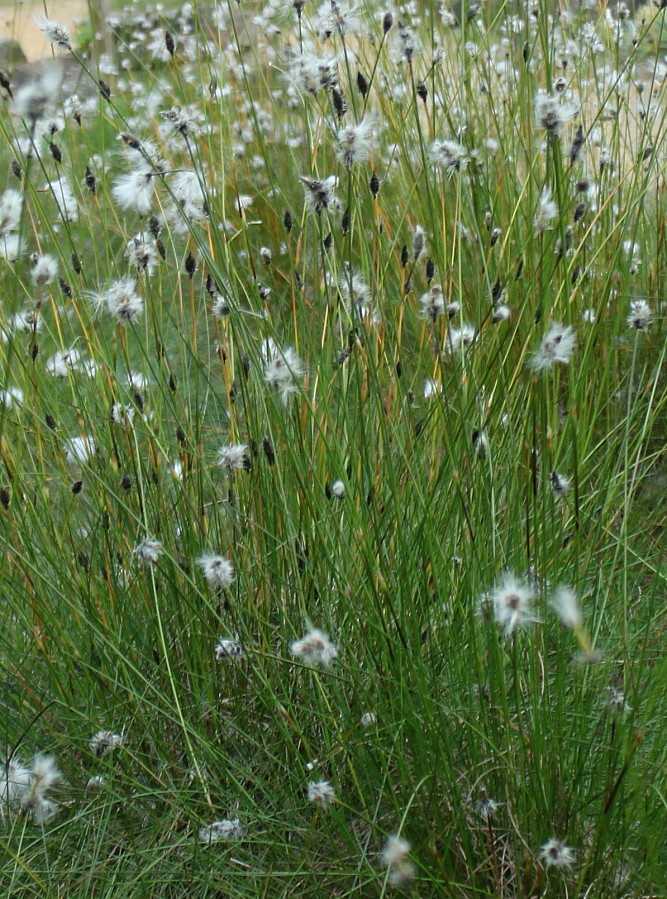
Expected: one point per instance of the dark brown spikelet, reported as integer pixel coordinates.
(326, 243)
(55, 152)
(301, 551)
(496, 290)
(405, 256)
(362, 84)
(132, 142)
(172, 383)
(154, 226)
(267, 446)
(169, 43)
(190, 266)
(579, 212)
(159, 246)
(180, 435)
(17, 171)
(64, 286)
(51, 422)
(5, 496)
(345, 221)
(5, 84)
(577, 144)
(211, 286)
(77, 487)
(76, 263)
(422, 92)
(374, 185)
(387, 22)
(339, 102)
(430, 269)
(418, 243)
(287, 221)
(91, 181)
(126, 483)
(105, 90)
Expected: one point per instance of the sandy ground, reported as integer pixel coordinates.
(18, 21)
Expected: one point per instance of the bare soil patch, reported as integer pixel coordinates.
(17, 21)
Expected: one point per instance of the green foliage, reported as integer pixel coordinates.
(396, 464)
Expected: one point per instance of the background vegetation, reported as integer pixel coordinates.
(404, 439)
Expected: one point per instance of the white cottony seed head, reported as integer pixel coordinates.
(56, 34)
(218, 570)
(11, 204)
(148, 550)
(315, 648)
(226, 649)
(220, 831)
(565, 604)
(338, 489)
(512, 604)
(639, 316)
(557, 346)
(80, 449)
(104, 741)
(555, 853)
(321, 793)
(234, 457)
(395, 857)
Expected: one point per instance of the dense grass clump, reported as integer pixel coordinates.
(332, 441)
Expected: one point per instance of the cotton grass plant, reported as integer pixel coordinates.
(332, 429)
